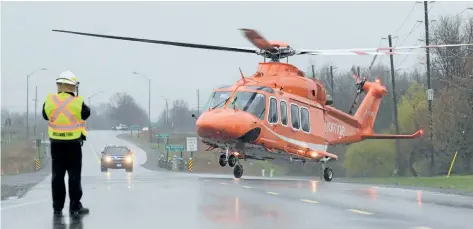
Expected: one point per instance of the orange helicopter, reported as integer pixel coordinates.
(278, 113)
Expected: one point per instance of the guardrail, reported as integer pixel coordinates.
(176, 164)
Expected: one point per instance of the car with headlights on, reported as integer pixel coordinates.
(116, 157)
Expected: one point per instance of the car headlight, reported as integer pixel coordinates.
(128, 159)
(108, 159)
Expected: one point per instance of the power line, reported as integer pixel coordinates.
(408, 16)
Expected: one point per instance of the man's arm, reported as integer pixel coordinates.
(45, 116)
(85, 113)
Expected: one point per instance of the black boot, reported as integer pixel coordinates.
(78, 210)
(57, 213)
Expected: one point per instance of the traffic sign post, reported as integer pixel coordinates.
(164, 136)
(175, 148)
(191, 145)
(135, 127)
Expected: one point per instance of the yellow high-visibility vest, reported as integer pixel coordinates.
(64, 114)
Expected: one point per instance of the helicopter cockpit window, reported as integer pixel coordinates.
(295, 118)
(261, 88)
(251, 102)
(218, 99)
(273, 111)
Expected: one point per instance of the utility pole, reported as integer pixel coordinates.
(35, 107)
(198, 103)
(331, 83)
(399, 161)
(313, 71)
(167, 114)
(358, 71)
(149, 104)
(430, 90)
(149, 111)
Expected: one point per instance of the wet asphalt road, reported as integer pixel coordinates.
(161, 199)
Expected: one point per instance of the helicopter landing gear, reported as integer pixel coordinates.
(232, 160)
(222, 160)
(327, 172)
(238, 170)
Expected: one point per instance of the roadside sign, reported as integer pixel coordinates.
(191, 144)
(162, 135)
(135, 127)
(175, 148)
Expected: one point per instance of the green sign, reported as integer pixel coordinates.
(175, 148)
(135, 127)
(162, 135)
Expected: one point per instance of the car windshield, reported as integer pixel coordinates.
(218, 99)
(117, 151)
(251, 102)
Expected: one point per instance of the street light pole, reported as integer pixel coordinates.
(90, 105)
(149, 105)
(27, 100)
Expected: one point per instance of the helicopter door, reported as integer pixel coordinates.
(317, 122)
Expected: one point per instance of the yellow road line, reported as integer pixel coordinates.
(272, 193)
(309, 201)
(359, 212)
(244, 186)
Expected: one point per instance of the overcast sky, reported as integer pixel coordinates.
(27, 42)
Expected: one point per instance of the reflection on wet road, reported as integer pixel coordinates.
(150, 199)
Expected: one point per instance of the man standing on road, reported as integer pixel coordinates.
(66, 113)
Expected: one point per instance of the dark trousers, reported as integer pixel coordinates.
(66, 156)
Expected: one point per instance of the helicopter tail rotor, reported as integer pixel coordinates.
(359, 82)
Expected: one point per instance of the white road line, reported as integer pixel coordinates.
(309, 201)
(273, 193)
(24, 204)
(359, 212)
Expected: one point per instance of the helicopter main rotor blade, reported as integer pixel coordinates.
(382, 49)
(355, 53)
(181, 44)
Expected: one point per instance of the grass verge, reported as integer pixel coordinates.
(460, 183)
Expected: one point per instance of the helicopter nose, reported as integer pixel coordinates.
(228, 124)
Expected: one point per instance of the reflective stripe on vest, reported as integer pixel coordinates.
(61, 108)
(84, 132)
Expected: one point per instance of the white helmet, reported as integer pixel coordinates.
(67, 77)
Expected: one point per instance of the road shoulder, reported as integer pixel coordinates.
(16, 186)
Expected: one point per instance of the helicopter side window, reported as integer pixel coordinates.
(295, 118)
(305, 119)
(273, 110)
(283, 107)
